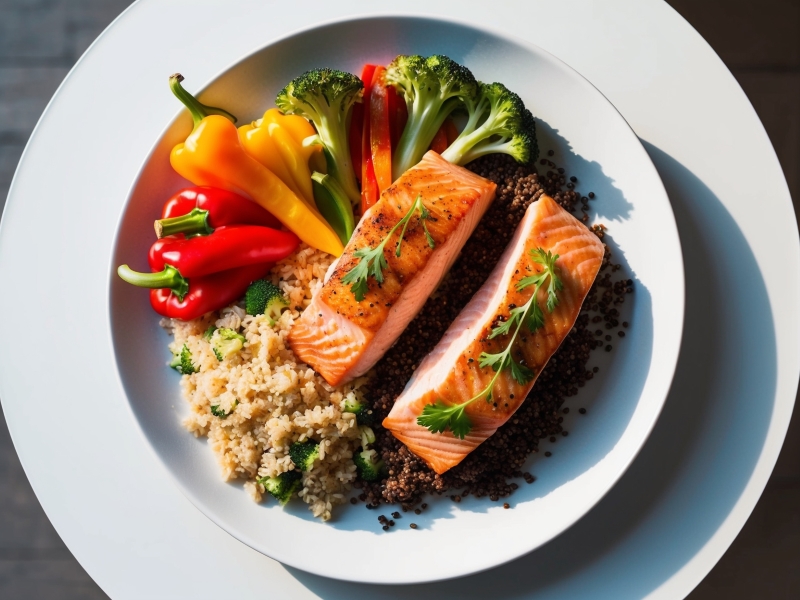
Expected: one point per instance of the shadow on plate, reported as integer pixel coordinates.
(717, 413)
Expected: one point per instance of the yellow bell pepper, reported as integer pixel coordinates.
(271, 142)
(298, 127)
(213, 155)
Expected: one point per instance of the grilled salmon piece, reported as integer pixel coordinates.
(342, 338)
(452, 374)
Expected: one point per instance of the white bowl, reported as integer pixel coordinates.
(592, 141)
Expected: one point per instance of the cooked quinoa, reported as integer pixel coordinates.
(266, 398)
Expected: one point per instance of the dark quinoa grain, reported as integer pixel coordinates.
(488, 469)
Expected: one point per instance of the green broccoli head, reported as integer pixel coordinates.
(360, 409)
(182, 361)
(303, 454)
(497, 123)
(433, 88)
(283, 486)
(265, 298)
(326, 97)
(226, 342)
(369, 466)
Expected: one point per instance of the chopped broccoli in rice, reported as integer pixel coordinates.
(283, 486)
(226, 342)
(265, 298)
(182, 361)
(209, 332)
(359, 408)
(221, 412)
(367, 436)
(303, 454)
(370, 466)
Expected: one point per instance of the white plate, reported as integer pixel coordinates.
(592, 141)
(657, 532)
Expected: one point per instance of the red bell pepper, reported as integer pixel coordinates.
(439, 142)
(369, 189)
(204, 294)
(203, 209)
(450, 130)
(369, 186)
(379, 130)
(398, 116)
(227, 248)
(444, 137)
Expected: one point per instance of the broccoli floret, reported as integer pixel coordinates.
(265, 298)
(209, 332)
(283, 486)
(220, 412)
(326, 97)
(360, 409)
(497, 122)
(303, 454)
(182, 361)
(367, 436)
(369, 466)
(226, 342)
(433, 88)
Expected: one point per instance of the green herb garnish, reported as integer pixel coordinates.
(439, 417)
(373, 262)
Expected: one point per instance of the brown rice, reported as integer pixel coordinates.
(272, 398)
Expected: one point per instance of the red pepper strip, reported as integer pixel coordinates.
(450, 130)
(398, 116)
(379, 133)
(369, 188)
(227, 248)
(221, 208)
(208, 293)
(356, 133)
(439, 142)
(368, 193)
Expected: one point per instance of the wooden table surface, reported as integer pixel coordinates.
(40, 40)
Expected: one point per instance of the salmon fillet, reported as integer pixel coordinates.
(451, 372)
(342, 338)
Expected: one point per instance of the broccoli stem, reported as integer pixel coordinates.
(194, 222)
(334, 204)
(339, 168)
(418, 135)
(197, 109)
(170, 278)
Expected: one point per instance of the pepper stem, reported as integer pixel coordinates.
(197, 109)
(170, 279)
(194, 222)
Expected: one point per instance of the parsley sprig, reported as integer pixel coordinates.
(439, 417)
(372, 260)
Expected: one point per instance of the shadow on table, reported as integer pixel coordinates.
(717, 414)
